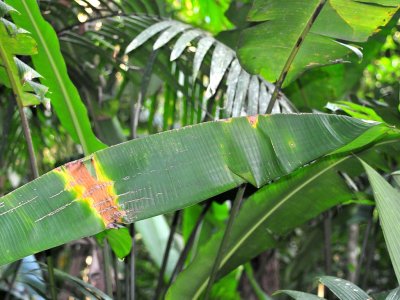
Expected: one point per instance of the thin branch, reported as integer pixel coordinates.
(189, 244)
(293, 54)
(135, 112)
(328, 242)
(107, 260)
(117, 282)
(258, 291)
(14, 277)
(110, 16)
(143, 91)
(52, 280)
(222, 248)
(364, 247)
(130, 268)
(15, 82)
(174, 225)
(370, 254)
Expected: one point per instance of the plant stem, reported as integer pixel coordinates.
(52, 281)
(222, 248)
(143, 91)
(364, 248)
(370, 254)
(107, 267)
(15, 82)
(135, 112)
(14, 277)
(189, 244)
(293, 54)
(12, 73)
(258, 291)
(130, 268)
(327, 242)
(174, 225)
(117, 282)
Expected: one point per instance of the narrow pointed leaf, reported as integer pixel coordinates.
(253, 97)
(25, 71)
(265, 97)
(165, 172)
(202, 49)
(387, 200)
(232, 80)
(169, 34)
(147, 34)
(183, 41)
(240, 93)
(5, 9)
(221, 58)
(343, 289)
(299, 295)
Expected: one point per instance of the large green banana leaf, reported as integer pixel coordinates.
(281, 206)
(265, 48)
(168, 171)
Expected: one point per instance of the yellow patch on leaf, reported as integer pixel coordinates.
(98, 192)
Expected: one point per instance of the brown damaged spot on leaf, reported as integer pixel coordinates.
(253, 120)
(99, 193)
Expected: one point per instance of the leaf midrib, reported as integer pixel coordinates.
(59, 79)
(241, 241)
(261, 220)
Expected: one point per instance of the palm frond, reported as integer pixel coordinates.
(244, 93)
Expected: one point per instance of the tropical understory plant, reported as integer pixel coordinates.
(149, 121)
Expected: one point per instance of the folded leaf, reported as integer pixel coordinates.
(165, 172)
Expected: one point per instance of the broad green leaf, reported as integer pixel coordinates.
(387, 200)
(120, 241)
(50, 64)
(317, 87)
(289, 202)
(299, 295)
(355, 110)
(154, 231)
(265, 47)
(343, 289)
(165, 172)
